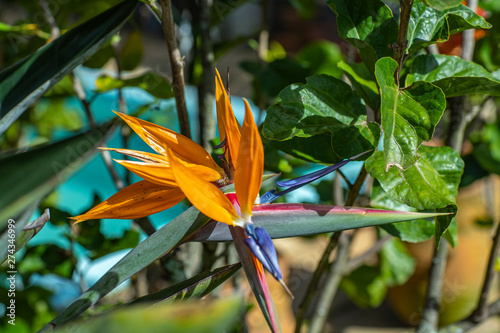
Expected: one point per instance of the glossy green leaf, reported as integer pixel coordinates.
(429, 26)
(442, 4)
(216, 316)
(151, 82)
(396, 264)
(20, 237)
(368, 25)
(131, 53)
(323, 106)
(272, 77)
(22, 83)
(193, 288)
(431, 183)
(292, 220)
(409, 116)
(149, 250)
(453, 75)
(365, 286)
(487, 148)
(321, 57)
(362, 82)
(415, 231)
(34, 173)
(306, 8)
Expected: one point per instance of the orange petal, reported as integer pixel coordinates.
(140, 155)
(201, 193)
(161, 174)
(158, 137)
(220, 105)
(250, 166)
(134, 201)
(157, 173)
(230, 126)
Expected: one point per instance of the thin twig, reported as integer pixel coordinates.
(469, 40)
(333, 279)
(205, 96)
(467, 324)
(400, 46)
(177, 66)
(82, 97)
(455, 138)
(313, 284)
(355, 263)
(54, 29)
(430, 315)
(331, 283)
(481, 312)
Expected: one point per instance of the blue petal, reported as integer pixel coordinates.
(303, 180)
(269, 196)
(263, 249)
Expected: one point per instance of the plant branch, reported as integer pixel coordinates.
(355, 263)
(333, 279)
(430, 315)
(400, 46)
(330, 289)
(481, 312)
(177, 66)
(458, 124)
(313, 284)
(469, 40)
(205, 96)
(54, 29)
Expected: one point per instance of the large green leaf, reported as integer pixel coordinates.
(216, 316)
(413, 232)
(487, 147)
(368, 25)
(151, 82)
(428, 26)
(325, 107)
(196, 287)
(34, 173)
(362, 82)
(152, 248)
(453, 75)
(431, 183)
(22, 83)
(292, 220)
(367, 285)
(409, 115)
(441, 4)
(321, 57)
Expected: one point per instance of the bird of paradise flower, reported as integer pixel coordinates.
(182, 168)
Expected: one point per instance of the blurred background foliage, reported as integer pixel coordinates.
(267, 46)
